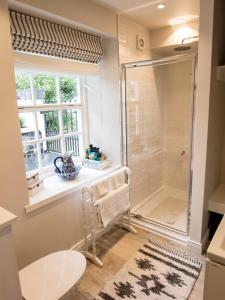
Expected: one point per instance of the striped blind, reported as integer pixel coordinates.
(35, 35)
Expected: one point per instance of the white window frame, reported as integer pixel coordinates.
(34, 108)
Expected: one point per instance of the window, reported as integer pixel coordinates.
(51, 115)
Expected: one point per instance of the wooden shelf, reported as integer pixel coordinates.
(217, 201)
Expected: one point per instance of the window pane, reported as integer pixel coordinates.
(70, 120)
(72, 144)
(49, 151)
(45, 89)
(69, 89)
(27, 126)
(48, 123)
(30, 157)
(23, 89)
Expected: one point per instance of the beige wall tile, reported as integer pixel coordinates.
(128, 30)
(159, 115)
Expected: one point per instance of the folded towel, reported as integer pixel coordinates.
(113, 204)
(118, 179)
(100, 188)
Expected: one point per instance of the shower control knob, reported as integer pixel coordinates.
(183, 153)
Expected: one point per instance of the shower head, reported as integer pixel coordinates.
(182, 48)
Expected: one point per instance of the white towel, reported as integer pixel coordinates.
(118, 179)
(100, 188)
(114, 204)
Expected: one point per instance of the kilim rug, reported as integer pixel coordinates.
(158, 271)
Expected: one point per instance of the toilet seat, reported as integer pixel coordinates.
(53, 276)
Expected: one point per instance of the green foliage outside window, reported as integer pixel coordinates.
(22, 82)
(22, 122)
(45, 88)
(51, 121)
(68, 89)
(46, 85)
(69, 121)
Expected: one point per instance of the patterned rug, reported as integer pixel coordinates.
(158, 271)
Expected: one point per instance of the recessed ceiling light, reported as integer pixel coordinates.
(161, 6)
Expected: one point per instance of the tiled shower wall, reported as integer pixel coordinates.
(159, 118)
(178, 104)
(144, 132)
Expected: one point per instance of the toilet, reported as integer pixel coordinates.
(52, 277)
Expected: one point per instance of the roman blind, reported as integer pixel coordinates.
(35, 35)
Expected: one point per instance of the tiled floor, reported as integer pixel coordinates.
(115, 249)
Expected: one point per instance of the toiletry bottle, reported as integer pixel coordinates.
(90, 149)
(86, 153)
(97, 154)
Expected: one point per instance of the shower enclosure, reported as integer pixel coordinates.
(157, 138)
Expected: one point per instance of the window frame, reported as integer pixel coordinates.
(34, 108)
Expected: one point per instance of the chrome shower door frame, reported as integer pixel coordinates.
(157, 62)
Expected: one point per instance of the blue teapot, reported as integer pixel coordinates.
(66, 167)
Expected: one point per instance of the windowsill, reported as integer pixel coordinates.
(56, 188)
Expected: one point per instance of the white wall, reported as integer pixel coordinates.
(83, 14)
(104, 103)
(127, 32)
(173, 35)
(198, 210)
(110, 114)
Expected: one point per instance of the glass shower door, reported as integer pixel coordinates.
(158, 112)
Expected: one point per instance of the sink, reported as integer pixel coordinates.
(216, 250)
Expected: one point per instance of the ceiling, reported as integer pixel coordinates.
(145, 12)
(119, 5)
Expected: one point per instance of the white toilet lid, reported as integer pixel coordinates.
(52, 276)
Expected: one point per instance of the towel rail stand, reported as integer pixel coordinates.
(92, 225)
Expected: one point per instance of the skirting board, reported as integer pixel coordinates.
(78, 246)
(199, 248)
(195, 247)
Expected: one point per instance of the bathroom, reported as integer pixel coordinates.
(158, 111)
